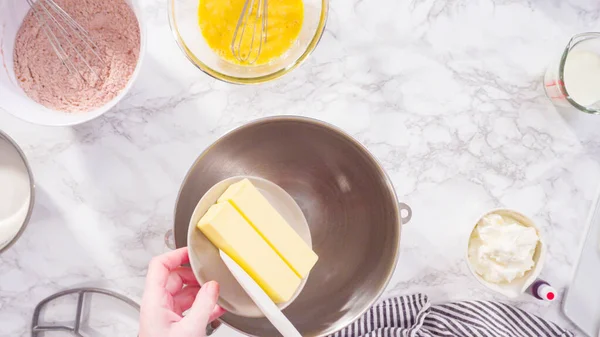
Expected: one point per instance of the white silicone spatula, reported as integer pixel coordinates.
(262, 300)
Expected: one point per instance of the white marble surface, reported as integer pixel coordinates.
(446, 93)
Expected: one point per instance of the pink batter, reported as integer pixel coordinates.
(113, 27)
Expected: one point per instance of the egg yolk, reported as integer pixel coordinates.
(218, 20)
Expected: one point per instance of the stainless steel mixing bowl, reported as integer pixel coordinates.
(348, 200)
(5, 245)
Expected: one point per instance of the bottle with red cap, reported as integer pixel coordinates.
(542, 290)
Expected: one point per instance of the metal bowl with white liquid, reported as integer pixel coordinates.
(16, 192)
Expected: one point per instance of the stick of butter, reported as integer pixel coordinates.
(257, 210)
(227, 229)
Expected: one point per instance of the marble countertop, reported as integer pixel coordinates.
(446, 93)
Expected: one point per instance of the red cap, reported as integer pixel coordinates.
(546, 292)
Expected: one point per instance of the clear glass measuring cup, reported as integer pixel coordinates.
(574, 80)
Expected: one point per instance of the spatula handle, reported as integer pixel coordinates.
(262, 300)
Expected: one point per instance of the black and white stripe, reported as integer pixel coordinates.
(414, 316)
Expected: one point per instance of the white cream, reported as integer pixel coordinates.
(15, 193)
(582, 77)
(501, 249)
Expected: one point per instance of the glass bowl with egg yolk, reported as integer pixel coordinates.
(204, 30)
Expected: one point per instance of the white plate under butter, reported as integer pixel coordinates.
(204, 256)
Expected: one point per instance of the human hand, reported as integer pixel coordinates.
(172, 289)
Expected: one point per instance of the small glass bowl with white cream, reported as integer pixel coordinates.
(16, 192)
(505, 252)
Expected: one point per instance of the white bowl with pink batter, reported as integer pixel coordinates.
(35, 87)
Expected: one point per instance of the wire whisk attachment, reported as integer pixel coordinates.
(69, 40)
(250, 32)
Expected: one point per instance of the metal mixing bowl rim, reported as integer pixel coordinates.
(339, 131)
(312, 45)
(31, 191)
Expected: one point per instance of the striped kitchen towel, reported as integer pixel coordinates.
(415, 316)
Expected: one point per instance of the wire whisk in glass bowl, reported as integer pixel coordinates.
(244, 46)
(69, 40)
(183, 19)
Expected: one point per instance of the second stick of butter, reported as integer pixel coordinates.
(230, 232)
(265, 219)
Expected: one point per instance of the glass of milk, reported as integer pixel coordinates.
(16, 192)
(574, 80)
